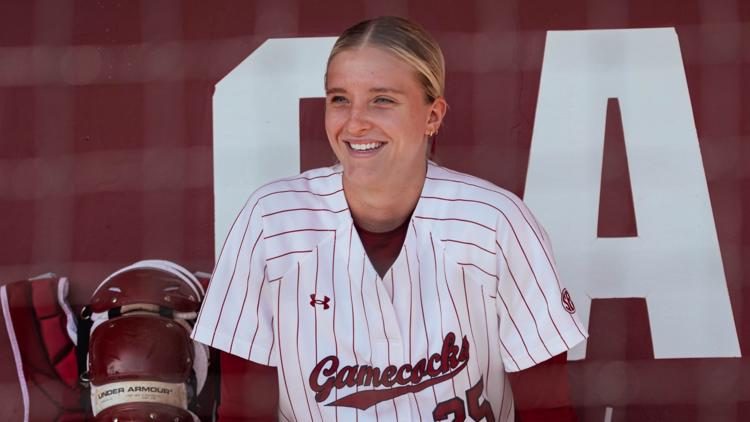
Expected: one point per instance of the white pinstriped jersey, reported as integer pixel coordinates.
(473, 293)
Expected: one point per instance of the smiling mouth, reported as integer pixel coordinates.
(365, 147)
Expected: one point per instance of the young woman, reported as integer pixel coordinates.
(387, 287)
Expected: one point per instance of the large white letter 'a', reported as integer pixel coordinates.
(674, 262)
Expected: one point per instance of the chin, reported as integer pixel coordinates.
(364, 174)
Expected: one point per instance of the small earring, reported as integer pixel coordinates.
(430, 133)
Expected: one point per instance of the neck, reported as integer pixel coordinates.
(383, 207)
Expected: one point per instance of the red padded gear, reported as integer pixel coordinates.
(140, 346)
(146, 285)
(145, 412)
(44, 353)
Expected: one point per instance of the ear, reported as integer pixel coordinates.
(438, 108)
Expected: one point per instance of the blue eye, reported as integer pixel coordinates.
(338, 99)
(384, 100)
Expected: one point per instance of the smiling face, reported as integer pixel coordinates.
(377, 118)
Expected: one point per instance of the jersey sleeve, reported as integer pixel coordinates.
(537, 317)
(237, 312)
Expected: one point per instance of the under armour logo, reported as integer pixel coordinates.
(567, 302)
(324, 302)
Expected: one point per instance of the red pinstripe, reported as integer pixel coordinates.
(364, 311)
(487, 333)
(422, 217)
(440, 302)
(299, 359)
(304, 209)
(507, 265)
(317, 264)
(257, 320)
(273, 341)
(307, 178)
(455, 309)
(364, 261)
(300, 191)
(285, 254)
(281, 353)
(333, 284)
(517, 330)
(469, 264)
(382, 319)
(298, 177)
(393, 294)
(411, 297)
(362, 296)
(421, 302)
(469, 244)
(393, 287)
(468, 312)
(411, 311)
(244, 300)
(385, 333)
(351, 302)
(295, 178)
(509, 354)
(273, 338)
(298, 231)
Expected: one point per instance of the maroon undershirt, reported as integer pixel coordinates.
(249, 391)
(383, 248)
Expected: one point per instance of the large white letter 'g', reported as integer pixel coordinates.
(256, 120)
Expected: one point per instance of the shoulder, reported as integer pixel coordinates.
(297, 214)
(318, 180)
(316, 185)
(453, 189)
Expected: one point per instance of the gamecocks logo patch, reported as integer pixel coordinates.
(567, 302)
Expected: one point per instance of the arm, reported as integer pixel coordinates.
(249, 391)
(542, 392)
(236, 317)
(538, 323)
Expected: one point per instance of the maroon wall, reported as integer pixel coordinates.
(106, 149)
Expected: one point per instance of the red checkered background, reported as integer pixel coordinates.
(106, 150)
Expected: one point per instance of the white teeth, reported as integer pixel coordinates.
(365, 147)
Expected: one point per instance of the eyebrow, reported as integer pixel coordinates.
(387, 90)
(378, 90)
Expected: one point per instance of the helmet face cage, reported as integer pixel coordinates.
(140, 356)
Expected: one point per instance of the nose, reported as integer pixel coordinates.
(358, 120)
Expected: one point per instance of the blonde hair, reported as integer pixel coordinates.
(406, 40)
